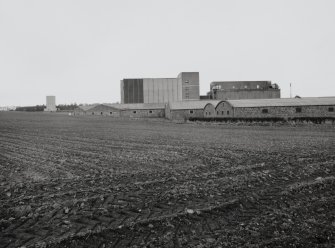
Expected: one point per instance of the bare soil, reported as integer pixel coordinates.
(84, 181)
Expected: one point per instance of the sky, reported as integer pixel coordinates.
(79, 50)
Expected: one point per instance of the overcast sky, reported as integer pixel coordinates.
(80, 50)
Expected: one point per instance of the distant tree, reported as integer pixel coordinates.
(31, 108)
(67, 107)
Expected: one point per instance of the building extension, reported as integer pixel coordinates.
(234, 90)
(50, 104)
(161, 90)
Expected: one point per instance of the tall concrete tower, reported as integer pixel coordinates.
(51, 104)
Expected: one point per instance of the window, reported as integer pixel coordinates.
(257, 86)
(331, 109)
(245, 86)
(111, 113)
(101, 113)
(206, 112)
(217, 112)
(191, 111)
(298, 110)
(134, 112)
(227, 112)
(265, 111)
(92, 113)
(150, 111)
(186, 82)
(187, 92)
(222, 112)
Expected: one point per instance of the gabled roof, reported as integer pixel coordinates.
(103, 107)
(282, 102)
(191, 104)
(86, 107)
(137, 106)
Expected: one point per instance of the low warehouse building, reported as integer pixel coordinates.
(105, 109)
(186, 109)
(83, 109)
(281, 108)
(143, 110)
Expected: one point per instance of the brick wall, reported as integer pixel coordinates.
(186, 113)
(285, 112)
(224, 109)
(209, 111)
(143, 113)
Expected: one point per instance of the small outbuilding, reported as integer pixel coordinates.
(83, 109)
(105, 110)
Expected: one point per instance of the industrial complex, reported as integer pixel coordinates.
(179, 99)
(161, 90)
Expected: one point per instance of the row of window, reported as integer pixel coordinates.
(297, 110)
(264, 111)
(218, 87)
(217, 112)
(134, 112)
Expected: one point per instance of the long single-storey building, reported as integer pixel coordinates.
(247, 108)
(142, 110)
(269, 108)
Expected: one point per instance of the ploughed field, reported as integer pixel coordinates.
(89, 181)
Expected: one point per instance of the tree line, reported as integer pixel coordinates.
(60, 107)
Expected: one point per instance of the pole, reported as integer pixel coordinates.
(290, 90)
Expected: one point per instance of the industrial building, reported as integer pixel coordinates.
(179, 99)
(272, 108)
(234, 90)
(50, 104)
(161, 90)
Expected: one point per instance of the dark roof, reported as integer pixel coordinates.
(282, 102)
(137, 106)
(87, 107)
(191, 104)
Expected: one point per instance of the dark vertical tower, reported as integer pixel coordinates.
(132, 91)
